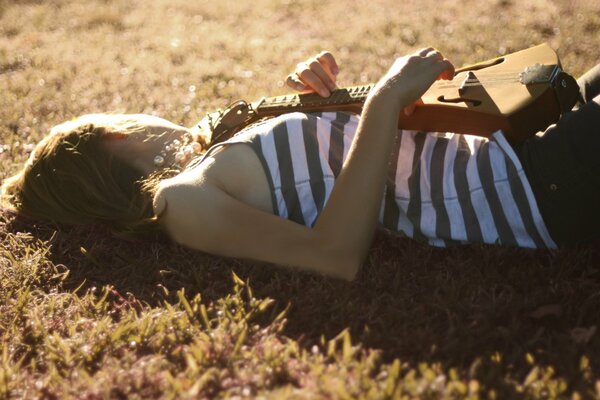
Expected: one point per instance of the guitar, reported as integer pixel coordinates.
(520, 93)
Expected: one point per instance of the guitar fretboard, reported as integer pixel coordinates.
(287, 103)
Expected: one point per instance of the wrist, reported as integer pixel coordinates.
(383, 98)
(389, 94)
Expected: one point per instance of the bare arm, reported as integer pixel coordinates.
(358, 191)
(202, 216)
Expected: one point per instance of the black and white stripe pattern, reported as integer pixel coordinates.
(442, 188)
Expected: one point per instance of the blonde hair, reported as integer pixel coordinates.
(71, 178)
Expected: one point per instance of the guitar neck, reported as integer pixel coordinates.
(347, 99)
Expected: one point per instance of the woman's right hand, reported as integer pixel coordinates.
(316, 74)
(410, 76)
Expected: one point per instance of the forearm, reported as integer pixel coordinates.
(348, 221)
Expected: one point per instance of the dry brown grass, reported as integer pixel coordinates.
(86, 315)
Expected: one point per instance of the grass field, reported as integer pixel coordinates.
(86, 315)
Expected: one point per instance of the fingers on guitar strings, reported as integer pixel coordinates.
(312, 75)
(294, 81)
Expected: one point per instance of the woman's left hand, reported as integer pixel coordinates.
(316, 74)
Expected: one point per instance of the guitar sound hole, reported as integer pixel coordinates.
(456, 100)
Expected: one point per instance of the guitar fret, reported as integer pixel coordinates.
(346, 96)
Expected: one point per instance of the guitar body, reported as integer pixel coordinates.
(495, 98)
(520, 93)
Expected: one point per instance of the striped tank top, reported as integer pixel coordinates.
(442, 188)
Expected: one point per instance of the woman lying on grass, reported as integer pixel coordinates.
(307, 190)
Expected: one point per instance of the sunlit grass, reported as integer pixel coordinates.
(86, 315)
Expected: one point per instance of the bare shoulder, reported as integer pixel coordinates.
(159, 202)
(198, 205)
(173, 190)
(188, 190)
(188, 210)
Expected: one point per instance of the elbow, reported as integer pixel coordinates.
(343, 261)
(352, 269)
(350, 273)
(339, 257)
(345, 267)
(350, 261)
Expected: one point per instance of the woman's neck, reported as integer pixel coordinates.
(157, 146)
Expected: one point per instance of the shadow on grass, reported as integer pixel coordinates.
(465, 306)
